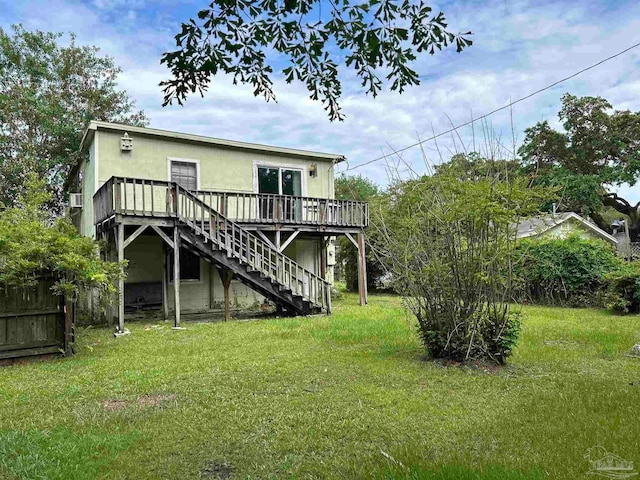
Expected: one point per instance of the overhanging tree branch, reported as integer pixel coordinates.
(234, 37)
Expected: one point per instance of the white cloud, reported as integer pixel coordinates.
(519, 47)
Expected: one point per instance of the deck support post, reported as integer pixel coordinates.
(226, 275)
(176, 274)
(120, 246)
(324, 245)
(362, 270)
(165, 274)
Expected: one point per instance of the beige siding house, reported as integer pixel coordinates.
(238, 223)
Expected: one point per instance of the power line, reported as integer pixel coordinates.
(526, 97)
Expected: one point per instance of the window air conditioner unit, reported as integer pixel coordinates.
(75, 200)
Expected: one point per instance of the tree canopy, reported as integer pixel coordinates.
(49, 92)
(598, 150)
(378, 39)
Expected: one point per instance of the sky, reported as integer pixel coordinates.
(519, 47)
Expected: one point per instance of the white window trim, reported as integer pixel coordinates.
(184, 160)
(280, 166)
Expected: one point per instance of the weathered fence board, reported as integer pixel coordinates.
(34, 321)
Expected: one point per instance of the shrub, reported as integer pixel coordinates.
(621, 291)
(33, 245)
(448, 244)
(569, 271)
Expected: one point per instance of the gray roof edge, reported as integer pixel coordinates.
(563, 217)
(187, 137)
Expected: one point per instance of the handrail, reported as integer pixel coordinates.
(248, 248)
(268, 208)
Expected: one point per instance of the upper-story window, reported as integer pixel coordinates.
(185, 174)
(281, 181)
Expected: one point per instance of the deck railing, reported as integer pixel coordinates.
(133, 196)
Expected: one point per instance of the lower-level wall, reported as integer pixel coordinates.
(146, 263)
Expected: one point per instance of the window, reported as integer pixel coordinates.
(185, 174)
(189, 266)
(280, 181)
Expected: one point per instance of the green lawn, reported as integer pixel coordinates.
(346, 396)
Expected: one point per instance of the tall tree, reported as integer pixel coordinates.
(48, 93)
(598, 151)
(374, 37)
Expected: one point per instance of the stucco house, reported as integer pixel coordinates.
(560, 225)
(206, 222)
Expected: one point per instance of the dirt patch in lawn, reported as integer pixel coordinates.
(484, 366)
(216, 471)
(145, 401)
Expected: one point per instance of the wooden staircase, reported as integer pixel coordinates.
(253, 261)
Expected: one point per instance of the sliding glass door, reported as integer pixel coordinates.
(286, 182)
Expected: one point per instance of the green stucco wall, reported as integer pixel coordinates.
(87, 227)
(220, 168)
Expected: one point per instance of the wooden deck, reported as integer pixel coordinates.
(226, 229)
(254, 211)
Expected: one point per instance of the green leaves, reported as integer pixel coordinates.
(32, 245)
(48, 94)
(600, 148)
(446, 241)
(234, 37)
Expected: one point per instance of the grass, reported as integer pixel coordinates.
(346, 396)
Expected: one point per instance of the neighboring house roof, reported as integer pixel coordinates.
(190, 138)
(535, 226)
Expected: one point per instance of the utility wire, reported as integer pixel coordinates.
(395, 152)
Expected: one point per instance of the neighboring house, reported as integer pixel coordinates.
(560, 225)
(207, 211)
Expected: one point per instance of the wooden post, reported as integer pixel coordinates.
(120, 246)
(226, 275)
(176, 274)
(165, 302)
(69, 317)
(324, 244)
(362, 270)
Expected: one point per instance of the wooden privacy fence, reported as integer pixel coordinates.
(34, 321)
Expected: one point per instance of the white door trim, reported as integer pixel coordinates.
(280, 166)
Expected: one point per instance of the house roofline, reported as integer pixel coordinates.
(200, 139)
(569, 215)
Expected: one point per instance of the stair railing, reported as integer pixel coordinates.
(257, 254)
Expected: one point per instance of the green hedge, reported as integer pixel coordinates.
(622, 289)
(574, 271)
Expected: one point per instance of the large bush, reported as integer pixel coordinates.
(448, 244)
(32, 245)
(569, 271)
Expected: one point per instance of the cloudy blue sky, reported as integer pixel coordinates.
(519, 46)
